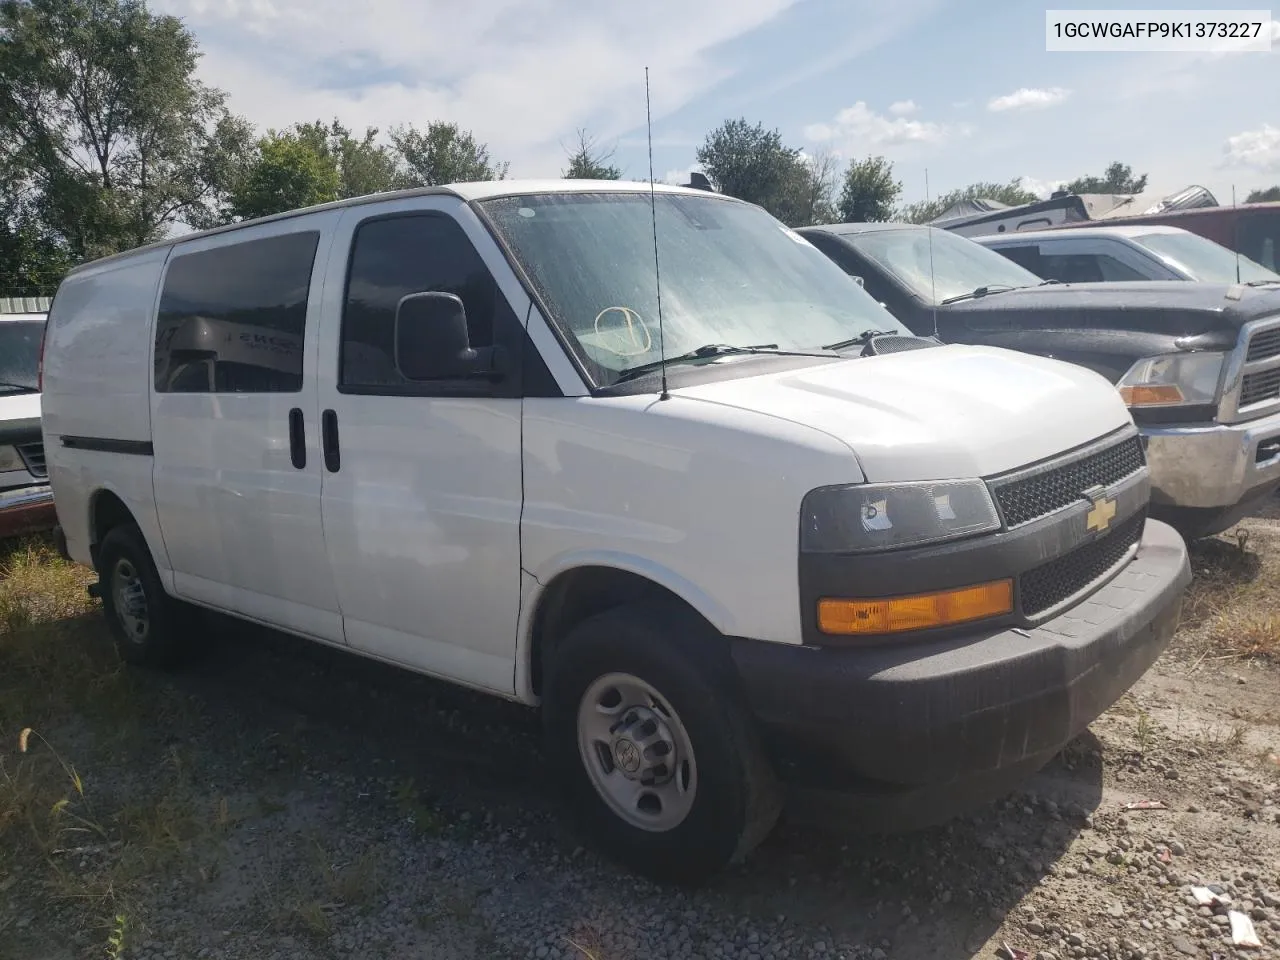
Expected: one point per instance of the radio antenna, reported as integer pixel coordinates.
(933, 284)
(1235, 230)
(653, 213)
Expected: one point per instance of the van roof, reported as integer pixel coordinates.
(1113, 230)
(478, 190)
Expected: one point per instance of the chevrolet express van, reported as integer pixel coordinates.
(742, 533)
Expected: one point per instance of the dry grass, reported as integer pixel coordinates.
(80, 849)
(1234, 601)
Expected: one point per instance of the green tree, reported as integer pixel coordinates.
(443, 153)
(1117, 178)
(289, 172)
(870, 191)
(589, 162)
(100, 105)
(364, 165)
(1011, 193)
(32, 260)
(1263, 196)
(752, 164)
(809, 192)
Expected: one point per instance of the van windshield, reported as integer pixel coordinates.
(20, 355)
(731, 274)
(937, 269)
(1202, 259)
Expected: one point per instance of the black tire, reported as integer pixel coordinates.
(124, 561)
(736, 800)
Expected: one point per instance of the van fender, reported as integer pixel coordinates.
(535, 583)
(144, 515)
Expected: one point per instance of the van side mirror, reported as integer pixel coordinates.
(432, 341)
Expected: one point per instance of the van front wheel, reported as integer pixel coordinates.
(146, 623)
(659, 757)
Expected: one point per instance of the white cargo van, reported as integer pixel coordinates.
(432, 427)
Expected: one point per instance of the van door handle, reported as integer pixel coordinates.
(329, 439)
(297, 439)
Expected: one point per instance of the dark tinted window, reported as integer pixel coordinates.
(1260, 238)
(19, 354)
(1028, 256)
(392, 258)
(232, 319)
(1088, 268)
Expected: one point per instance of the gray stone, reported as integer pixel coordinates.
(1184, 946)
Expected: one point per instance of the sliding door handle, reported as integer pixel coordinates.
(329, 438)
(297, 439)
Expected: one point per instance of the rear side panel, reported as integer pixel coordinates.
(96, 401)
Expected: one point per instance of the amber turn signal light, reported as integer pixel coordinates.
(918, 612)
(1150, 395)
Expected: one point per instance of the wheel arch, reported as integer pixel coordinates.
(582, 586)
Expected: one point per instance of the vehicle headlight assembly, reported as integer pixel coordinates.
(858, 518)
(1173, 379)
(10, 460)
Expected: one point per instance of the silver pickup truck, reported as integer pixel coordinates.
(26, 499)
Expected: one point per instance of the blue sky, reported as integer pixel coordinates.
(964, 89)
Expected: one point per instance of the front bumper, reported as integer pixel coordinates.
(1215, 466)
(26, 510)
(922, 725)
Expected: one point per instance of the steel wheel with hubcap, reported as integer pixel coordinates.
(637, 752)
(148, 625)
(130, 601)
(653, 744)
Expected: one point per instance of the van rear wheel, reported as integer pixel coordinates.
(148, 625)
(658, 755)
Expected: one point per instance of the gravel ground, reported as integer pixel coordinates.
(278, 800)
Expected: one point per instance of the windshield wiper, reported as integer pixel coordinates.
(1261, 283)
(24, 387)
(709, 350)
(859, 340)
(1045, 283)
(980, 292)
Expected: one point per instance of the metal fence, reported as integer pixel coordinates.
(25, 304)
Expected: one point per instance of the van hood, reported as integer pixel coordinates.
(940, 413)
(1179, 308)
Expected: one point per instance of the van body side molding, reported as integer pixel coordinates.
(138, 448)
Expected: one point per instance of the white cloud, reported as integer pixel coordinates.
(680, 175)
(1259, 149)
(1029, 98)
(1041, 188)
(858, 127)
(901, 108)
(521, 74)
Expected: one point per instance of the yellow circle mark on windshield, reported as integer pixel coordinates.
(631, 333)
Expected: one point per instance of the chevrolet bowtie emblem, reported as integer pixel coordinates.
(1099, 516)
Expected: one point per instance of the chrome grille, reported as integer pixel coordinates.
(1265, 343)
(1257, 387)
(1060, 579)
(1039, 491)
(1251, 387)
(32, 455)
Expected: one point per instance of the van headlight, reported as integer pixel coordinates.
(1173, 379)
(854, 518)
(10, 460)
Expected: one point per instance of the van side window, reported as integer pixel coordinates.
(232, 319)
(391, 258)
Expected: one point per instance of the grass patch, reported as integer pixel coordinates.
(1233, 601)
(1225, 570)
(69, 707)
